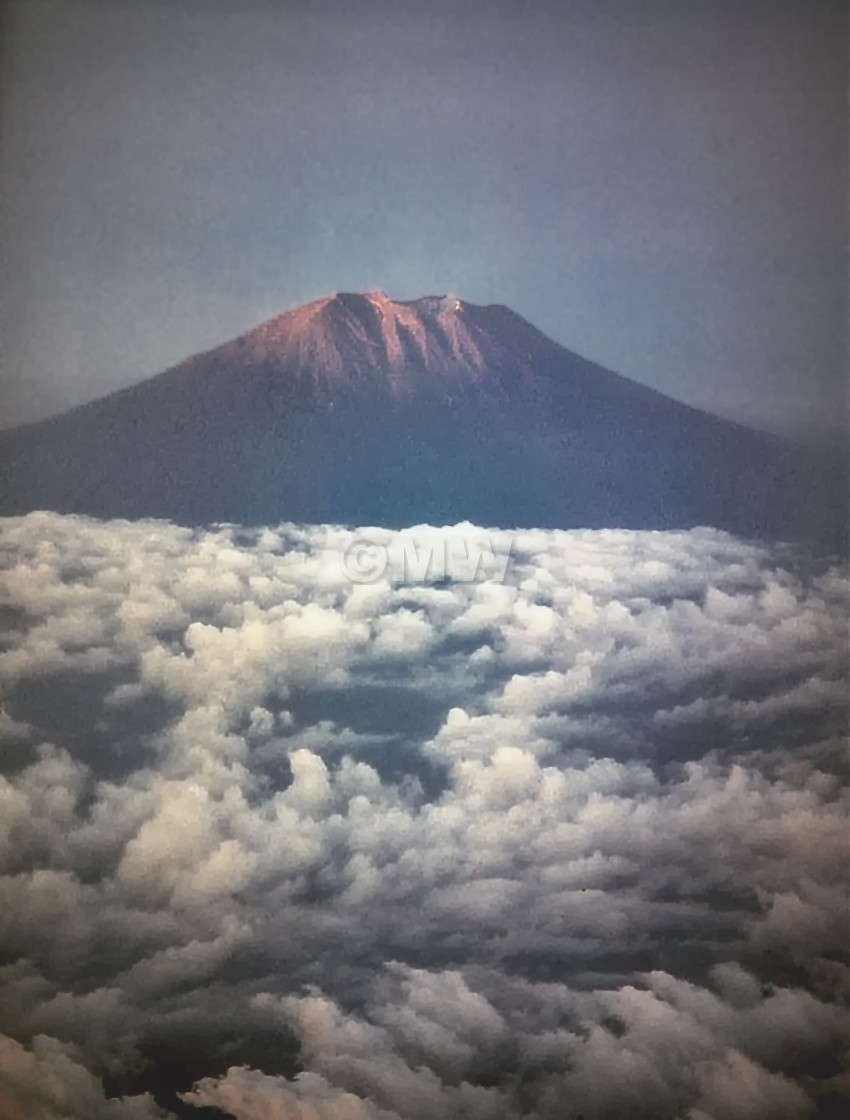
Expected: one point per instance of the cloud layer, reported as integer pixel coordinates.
(287, 845)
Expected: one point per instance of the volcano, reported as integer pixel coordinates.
(363, 410)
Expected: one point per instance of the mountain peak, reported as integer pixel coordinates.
(434, 305)
(361, 409)
(359, 333)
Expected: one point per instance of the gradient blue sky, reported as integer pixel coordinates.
(658, 185)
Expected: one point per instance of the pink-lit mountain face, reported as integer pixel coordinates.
(360, 409)
(374, 337)
(349, 345)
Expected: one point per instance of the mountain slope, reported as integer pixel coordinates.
(359, 409)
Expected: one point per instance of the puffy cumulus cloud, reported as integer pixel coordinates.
(733, 1087)
(251, 1095)
(428, 1044)
(46, 1083)
(567, 840)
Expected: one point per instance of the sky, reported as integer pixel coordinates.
(302, 839)
(659, 186)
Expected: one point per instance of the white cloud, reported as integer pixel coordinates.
(45, 1083)
(251, 1095)
(482, 848)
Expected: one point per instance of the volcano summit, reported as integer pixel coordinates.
(360, 409)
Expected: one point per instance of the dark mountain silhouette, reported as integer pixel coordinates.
(362, 410)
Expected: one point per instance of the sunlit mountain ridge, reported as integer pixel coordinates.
(359, 409)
